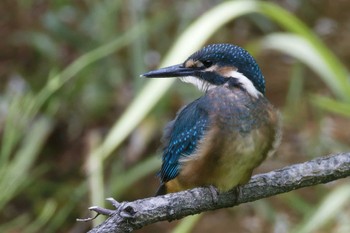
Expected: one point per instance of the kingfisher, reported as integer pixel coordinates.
(218, 139)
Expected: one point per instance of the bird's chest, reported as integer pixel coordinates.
(241, 133)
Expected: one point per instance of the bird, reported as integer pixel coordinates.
(220, 138)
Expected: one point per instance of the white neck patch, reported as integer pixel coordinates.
(245, 82)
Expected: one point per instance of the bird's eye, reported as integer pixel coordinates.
(207, 63)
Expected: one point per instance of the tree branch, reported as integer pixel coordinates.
(130, 216)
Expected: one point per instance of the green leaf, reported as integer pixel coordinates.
(15, 176)
(328, 209)
(300, 48)
(331, 105)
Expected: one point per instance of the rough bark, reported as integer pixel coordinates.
(130, 216)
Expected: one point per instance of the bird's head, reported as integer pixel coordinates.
(218, 65)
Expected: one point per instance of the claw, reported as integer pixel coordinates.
(214, 193)
(237, 192)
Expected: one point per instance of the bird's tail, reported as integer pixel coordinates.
(162, 190)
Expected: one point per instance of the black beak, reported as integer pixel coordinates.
(172, 71)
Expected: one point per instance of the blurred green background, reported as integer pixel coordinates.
(79, 125)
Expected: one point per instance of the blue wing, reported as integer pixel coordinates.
(181, 138)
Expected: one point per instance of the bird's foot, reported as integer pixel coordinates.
(214, 193)
(119, 207)
(236, 191)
